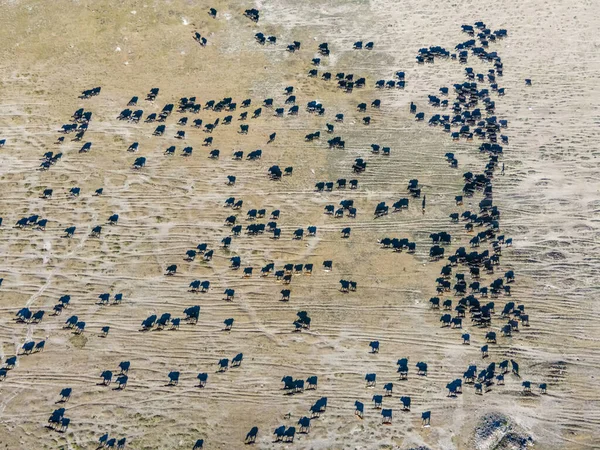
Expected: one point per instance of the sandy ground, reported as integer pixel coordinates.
(51, 51)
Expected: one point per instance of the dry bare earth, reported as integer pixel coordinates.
(548, 201)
